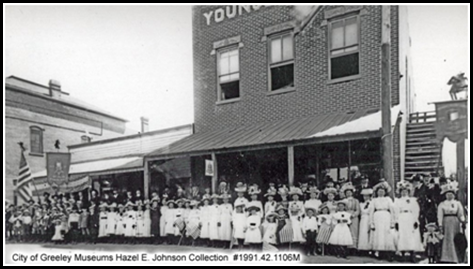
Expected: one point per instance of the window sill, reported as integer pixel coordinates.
(229, 101)
(36, 154)
(345, 79)
(276, 92)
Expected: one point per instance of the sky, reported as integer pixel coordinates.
(136, 61)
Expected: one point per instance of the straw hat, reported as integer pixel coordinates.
(295, 191)
(280, 207)
(295, 207)
(170, 202)
(194, 203)
(283, 190)
(449, 187)
(333, 191)
(215, 196)
(313, 190)
(128, 204)
(271, 214)
(342, 202)
(253, 207)
(403, 185)
(240, 187)
(322, 206)
(347, 187)
(254, 190)
(270, 193)
(307, 208)
(205, 197)
(366, 192)
(382, 185)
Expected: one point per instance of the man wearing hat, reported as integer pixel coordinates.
(240, 189)
(93, 222)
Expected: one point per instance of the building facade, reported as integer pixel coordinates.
(294, 91)
(39, 115)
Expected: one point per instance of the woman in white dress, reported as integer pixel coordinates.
(296, 194)
(341, 236)
(313, 201)
(270, 227)
(296, 220)
(239, 223)
(147, 219)
(204, 220)
(193, 222)
(140, 221)
(254, 191)
(364, 243)
(214, 220)
(225, 214)
(407, 224)
(253, 232)
(120, 229)
(103, 220)
(112, 220)
(353, 207)
(179, 219)
(130, 222)
(270, 205)
(162, 220)
(169, 219)
(382, 221)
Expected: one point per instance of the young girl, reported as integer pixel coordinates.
(73, 226)
(103, 216)
(147, 220)
(57, 237)
(239, 223)
(313, 201)
(270, 227)
(310, 227)
(432, 239)
(364, 243)
(225, 216)
(192, 222)
(331, 193)
(295, 216)
(284, 233)
(140, 222)
(325, 227)
(270, 205)
(240, 189)
(204, 221)
(130, 222)
(214, 221)
(341, 235)
(111, 221)
(169, 222)
(179, 223)
(253, 232)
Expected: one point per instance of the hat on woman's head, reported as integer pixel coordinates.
(313, 190)
(347, 187)
(270, 193)
(382, 185)
(449, 187)
(240, 187)
(295, 191)
(283, 190)
(403, 185)
(328, 191)
(254, 190)
(366, 192)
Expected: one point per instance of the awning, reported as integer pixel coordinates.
(79, 173)
(275, 133)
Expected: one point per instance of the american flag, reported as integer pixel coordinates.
(286, 233)
(25, 181)
(180, 224)
(193, 230)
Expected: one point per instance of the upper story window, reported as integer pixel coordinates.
(281, 62)
(36, 140)
(344, 47)
(228, 73)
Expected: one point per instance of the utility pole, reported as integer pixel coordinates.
(387, 138)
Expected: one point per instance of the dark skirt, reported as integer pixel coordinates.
(451, 226)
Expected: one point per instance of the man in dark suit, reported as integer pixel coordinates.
(420, 192)
(115, 197)
(364, 184)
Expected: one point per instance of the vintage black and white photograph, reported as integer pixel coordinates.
(236, 135)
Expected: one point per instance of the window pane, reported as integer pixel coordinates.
(234, 66)
(287, 48)
(224, 65)
(282, 76)
(235, 76)
(275, 50)
(351, 32)
(337, 35)
(224, 78)
(230, 90)
(344, 66)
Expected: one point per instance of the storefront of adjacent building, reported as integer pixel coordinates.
(287, 93)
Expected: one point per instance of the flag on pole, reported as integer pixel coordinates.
(24, 187)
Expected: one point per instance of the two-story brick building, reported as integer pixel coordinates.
(287, 94)
(39, 115)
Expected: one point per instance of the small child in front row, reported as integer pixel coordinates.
(341, 236)
(239, 223)
(310, 227)
(432, 239)
(252, 228)
(325, 227)
(270, 227)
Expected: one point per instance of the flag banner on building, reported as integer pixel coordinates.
(75, 183)
(209, 168)
(452, 120)
(58, 164)
(24, 185)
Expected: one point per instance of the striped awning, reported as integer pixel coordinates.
(74, 184)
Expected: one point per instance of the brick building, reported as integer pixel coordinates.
(38, 115)
(288, 93)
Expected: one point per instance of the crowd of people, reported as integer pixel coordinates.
(343, 221)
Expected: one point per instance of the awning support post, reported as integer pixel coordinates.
(215, 174)
(290, 164)
(146, 179)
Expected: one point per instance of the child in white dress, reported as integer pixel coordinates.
(225, 215)
(103, 216)
(239, 223)
(341, 235)
(253, 232)
(270, 227)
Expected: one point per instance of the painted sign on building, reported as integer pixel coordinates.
(228, 12)
(58, 168)
(452, 120)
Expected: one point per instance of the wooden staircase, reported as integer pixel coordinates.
(423, 153)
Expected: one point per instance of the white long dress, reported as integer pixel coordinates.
(103, 224)
(269, 207)
(192, 221)
(130, 222)
(382, 218)
(253, 232)
(225, 215)
(112, 219)
(214, 218)
(169, 221)
(258, 204)
(270, 233)
(239, 223)
(162, 221)
(407, 210)
(341, 235)
(297, 234)
(301, 212)
(204, 219)
(147, 223)
(364, 242)
(140, 223)
(120, 229)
